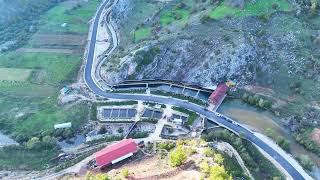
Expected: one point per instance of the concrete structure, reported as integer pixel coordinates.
(63, 125)
(218, 94)
(116, 152)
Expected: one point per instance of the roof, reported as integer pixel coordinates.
(115, 151)
(219, 93)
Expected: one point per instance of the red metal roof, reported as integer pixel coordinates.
(115, 151)
(219, 93)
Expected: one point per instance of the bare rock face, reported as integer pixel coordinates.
(236, 3)
(121, 9)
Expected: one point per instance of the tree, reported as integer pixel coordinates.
(204, 167)
(208, 152)
(48, 141)
(219, 173)
(270, 132)
(125, 172)
(245, 97)
(283, 143)
(102, 130)
(33, 143)
(306, 161)
(90, 176)
(177, 156)
(120, 130)
(218, 158)
(261, 103)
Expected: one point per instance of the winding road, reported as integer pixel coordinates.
(293, 172)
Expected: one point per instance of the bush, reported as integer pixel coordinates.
(33, 143)
(125, 172)
(305, 161)
(177, 156)
(218, 172)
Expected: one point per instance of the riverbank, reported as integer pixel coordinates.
(260, 121)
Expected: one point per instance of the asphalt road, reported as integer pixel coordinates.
(180, 103)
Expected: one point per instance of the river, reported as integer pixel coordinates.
(259, 121)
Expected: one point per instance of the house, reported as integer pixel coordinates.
(116, 152)
(218, 94)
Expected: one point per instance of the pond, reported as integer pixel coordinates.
(260, 121)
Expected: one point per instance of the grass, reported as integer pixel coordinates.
(258, 8)
(27, 89)
(141, 10)
(171, 16)
(192, 115)
(142, 33)
(76, 17)
(14, 74)
(59, 68)
(43, 120)
(18, 158)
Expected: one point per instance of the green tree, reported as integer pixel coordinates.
(177, 156)
(218, 158)
(219, 173)
(204, 167)
(48, 141)
(120, 130)
(283, 143)
(125, 172)
(208, 152)
(270, 132)
(261, 103)
(306, 161)
(33, 143)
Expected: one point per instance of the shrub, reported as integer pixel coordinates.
(178, 156)
(33, 143)
(125, 172)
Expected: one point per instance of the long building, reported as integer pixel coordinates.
(116, 152)
(218, 94)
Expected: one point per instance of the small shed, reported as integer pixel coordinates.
(63, 125)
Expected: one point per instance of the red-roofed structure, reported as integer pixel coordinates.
(116, 152)
(218, 94)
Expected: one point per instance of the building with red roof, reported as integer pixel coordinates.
(218, 94)
(116, 152)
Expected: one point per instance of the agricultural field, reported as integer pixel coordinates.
(14, 74)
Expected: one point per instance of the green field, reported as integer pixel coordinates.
(142, 33)
(14, 74)
(58, 68)
(179, 15)
(258, 8)
(75, 16)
